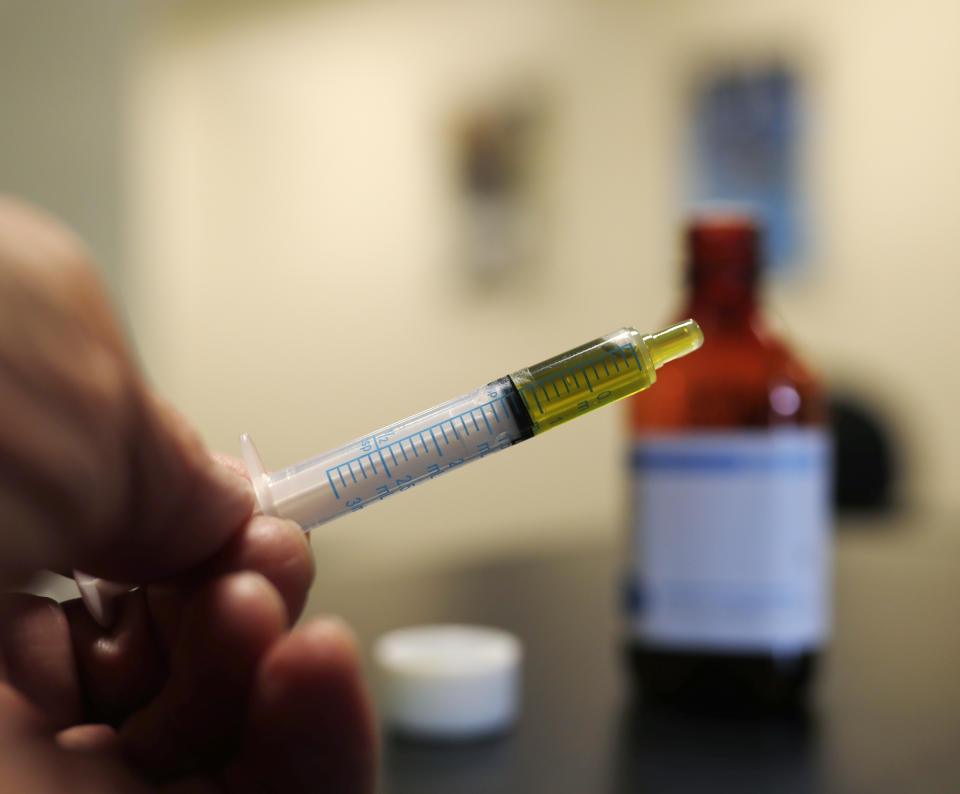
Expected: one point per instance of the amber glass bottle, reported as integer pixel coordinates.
(728, 596)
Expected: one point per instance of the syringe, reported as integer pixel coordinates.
(507, 411)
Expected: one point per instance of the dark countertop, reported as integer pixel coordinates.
(885, 716)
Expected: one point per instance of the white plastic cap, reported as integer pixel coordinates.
(449, 681)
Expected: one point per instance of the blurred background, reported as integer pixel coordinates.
(319, 217)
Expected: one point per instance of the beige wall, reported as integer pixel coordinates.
(295, 269)
(61, 86)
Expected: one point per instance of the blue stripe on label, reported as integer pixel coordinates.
(728, 461)
(705, 598)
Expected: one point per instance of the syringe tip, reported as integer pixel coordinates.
(674, 342)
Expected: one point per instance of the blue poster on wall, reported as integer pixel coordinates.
(746, 147)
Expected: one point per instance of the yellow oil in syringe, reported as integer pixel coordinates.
(600, 372)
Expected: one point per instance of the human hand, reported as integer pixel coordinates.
(200, 685)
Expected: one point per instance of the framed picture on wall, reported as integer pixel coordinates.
(745, 147)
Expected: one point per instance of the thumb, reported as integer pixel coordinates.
(181, 504)
(95, 472)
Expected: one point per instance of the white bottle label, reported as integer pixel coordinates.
(732, 540)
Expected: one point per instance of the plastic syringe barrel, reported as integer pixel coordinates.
(394, 458)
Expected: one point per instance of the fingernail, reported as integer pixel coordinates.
(233, 480)
(333, 626)
(100, 597)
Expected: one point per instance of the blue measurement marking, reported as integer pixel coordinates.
(531, 388)
(539, 389)
(443, 426)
